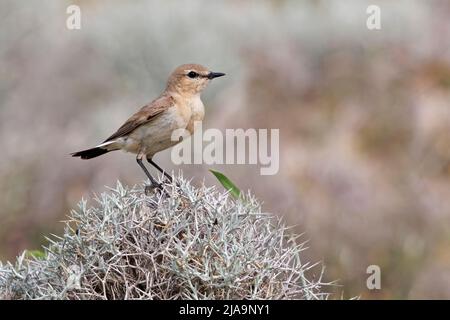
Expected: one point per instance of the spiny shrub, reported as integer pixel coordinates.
(181, 243)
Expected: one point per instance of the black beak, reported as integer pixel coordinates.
(213, 75)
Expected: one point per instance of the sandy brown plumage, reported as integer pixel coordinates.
(149, 130)
(146, 114)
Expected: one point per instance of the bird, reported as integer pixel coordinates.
(149, 130)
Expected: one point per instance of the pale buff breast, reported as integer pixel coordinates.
(197, 113)
(157, 135)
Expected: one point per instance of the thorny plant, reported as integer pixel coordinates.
(184, 243)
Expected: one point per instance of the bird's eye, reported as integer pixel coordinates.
(192, 74)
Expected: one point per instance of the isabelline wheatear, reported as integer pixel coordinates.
(150, 129)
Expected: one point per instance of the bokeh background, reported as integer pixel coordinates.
(364, 119)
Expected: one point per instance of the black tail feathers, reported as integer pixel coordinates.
(90, 153)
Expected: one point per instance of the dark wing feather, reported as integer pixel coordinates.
(143, 116)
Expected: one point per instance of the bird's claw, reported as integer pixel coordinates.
(148, 189)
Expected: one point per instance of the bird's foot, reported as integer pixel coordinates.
(148, 189)
(176, 183)
(168, 177)
(169, 180)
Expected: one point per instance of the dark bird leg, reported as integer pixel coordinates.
(154, 183)
(159, 168)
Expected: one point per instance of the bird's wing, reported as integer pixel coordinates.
(143, 116)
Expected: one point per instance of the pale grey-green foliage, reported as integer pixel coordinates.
(183, 243)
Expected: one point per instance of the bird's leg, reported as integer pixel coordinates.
(154, 183)
(159, 168)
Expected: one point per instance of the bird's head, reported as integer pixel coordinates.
(190, 79)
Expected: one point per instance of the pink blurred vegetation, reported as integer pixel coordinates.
(364, 119)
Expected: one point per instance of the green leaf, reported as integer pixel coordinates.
(37, 254)
(226, 183)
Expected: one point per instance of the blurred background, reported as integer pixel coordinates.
(364, 119)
